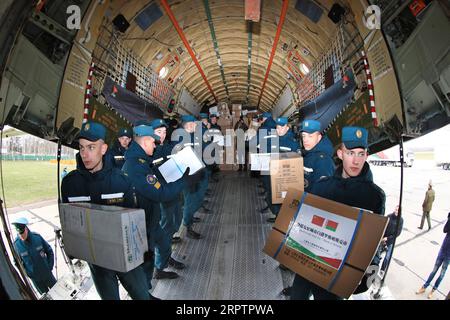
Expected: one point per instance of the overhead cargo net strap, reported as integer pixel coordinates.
(326, 107)
(128, 104)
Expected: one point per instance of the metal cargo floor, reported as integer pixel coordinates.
(228, 263)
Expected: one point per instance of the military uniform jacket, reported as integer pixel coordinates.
(108, 186)
(269, 124)
(36, 255)
(216, 126)
(118, 152)
(318, 162)
(286, 143)
(149, 190)
(358, 191)
(428, 201)
(391, 228)
(162, 152)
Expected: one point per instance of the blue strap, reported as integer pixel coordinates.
(178, 167)
(358, 222)
(292, 224)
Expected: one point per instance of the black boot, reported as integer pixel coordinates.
(264, 210)
(153, 297)
(286, 291)
(193, 235)
(161, 274)
(176, 264)
(176, 239)
(204, 210)
(271, 220)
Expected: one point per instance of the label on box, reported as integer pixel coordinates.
(260, 161)
(321, 235)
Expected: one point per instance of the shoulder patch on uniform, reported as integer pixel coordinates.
(142, 160)
(151, 179)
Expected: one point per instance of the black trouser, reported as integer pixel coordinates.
(302, 290)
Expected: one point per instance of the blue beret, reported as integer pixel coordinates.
(20, 220)
(354, 137)
(187, 118)
(310, 126)
(124, 132)
(267, 115)
(142, 123)
(145, 131)
(92, 131)
(203, 116)
(158, 123)
(213, 115)
(282, 121)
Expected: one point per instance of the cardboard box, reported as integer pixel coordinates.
(224, 111)
(108, 236)
(321, 240)
(224, 122)
(227, 167)
(236, 107)
(286, 171)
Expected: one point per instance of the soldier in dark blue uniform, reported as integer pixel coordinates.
(150, 193)
(286, 143)
(96, 179)
(352, 184)
(317, 159)
(204, 119)
(191, 195)
(213, 121)
(267, 122)
(264, 134)
(317, 153)
(207, 138)
(171, 214)
(120, 146)
(214, 129)
(36, 255)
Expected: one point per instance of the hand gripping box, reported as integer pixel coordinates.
(286, 171)
(326, 242)
(107, 236)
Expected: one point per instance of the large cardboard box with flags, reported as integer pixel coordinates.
(326, 242)
(108, 236)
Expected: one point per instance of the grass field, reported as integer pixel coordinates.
(26, 182)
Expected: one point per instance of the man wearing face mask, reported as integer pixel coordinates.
(96, 181)
(36, 255)
(352, 184)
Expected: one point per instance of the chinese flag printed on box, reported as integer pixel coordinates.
(318, 221)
